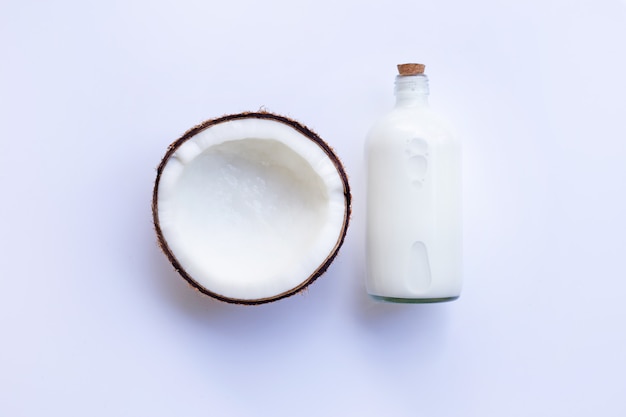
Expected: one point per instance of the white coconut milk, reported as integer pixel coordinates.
(414, 241)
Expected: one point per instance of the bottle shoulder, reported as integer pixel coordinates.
(402, 122)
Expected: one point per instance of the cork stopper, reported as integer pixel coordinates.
(411, 69)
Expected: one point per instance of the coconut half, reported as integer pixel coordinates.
(250, 208)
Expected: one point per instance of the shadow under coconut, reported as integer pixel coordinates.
(233, 319)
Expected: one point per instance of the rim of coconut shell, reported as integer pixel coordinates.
(309, 134)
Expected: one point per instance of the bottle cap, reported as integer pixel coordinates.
(411, 69)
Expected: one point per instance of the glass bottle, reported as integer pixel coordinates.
(413, 163)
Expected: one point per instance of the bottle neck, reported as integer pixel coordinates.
(411, 90)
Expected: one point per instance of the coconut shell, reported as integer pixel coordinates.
(258, 115)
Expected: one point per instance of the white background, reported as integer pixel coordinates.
(95, 322)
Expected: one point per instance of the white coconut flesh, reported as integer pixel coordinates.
(251, 208)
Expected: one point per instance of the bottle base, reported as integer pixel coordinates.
(412, 300)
